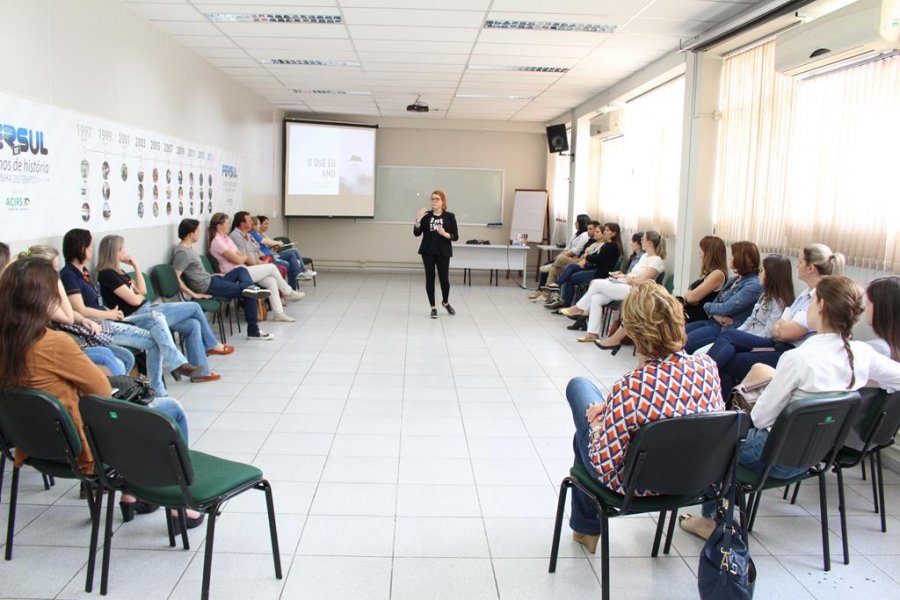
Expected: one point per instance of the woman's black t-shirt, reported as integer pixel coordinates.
(111, 280)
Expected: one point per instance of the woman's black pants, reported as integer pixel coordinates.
(443, 268)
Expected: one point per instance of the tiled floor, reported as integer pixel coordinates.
(418, 459)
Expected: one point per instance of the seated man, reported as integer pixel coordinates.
(195, 282)
(288, 262)
(260, 227)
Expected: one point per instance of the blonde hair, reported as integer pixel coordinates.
(108, 253)
(44, 251)
(658, 241)
(654, 319)
(824, 260)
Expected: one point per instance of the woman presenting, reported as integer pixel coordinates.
(437, 228)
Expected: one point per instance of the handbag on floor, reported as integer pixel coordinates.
(726, 570)
(262, 312)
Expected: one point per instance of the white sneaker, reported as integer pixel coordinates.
(284, 317)
(254, 291)
(294, 295)
(309, 273)
(261, 336)
(304, 277)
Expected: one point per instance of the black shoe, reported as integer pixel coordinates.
(449, 308)
(434, 313)
(191, 523)
(580, 324)
(555, 305)
(614, 349)
(140, 507)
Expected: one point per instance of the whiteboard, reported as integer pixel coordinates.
(475, 196)
(529, 214)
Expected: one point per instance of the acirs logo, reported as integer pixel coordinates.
(20, 139)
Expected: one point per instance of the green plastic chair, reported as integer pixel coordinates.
(207, 262)
(151, 459)
(36, 423)
(306, 260)
(167, 282)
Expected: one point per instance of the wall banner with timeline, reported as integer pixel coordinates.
(61, 169)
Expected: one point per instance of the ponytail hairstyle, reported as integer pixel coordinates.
(884, 294)
(778, 283)
(842, 304)
(824, 260)
(658, 241)
(214, 222)
(581, 223)
(636, 239)
(48, 253)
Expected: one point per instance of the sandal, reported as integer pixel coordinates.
(701, 528)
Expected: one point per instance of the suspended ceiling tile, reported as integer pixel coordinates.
(697, 10)
(583, 7)
(528, 50)
(484, 59)
(187, 27)
(293, 7)
(667, 27)
(204, 41)
(479, 5)
(411, 17)
(165, 12)
(273, 3)
(234, 62)
(550, 38)
(403, 57)
(258, 45)
(386, 68)
(220, 52)
(435, 34)
(641, 40)
(615, 19)
(289, 30)
(411, 47)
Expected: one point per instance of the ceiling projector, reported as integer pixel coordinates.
(417, 106)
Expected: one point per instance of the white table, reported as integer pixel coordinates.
(490, 256)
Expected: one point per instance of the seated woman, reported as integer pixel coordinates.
(603, 291)
(195, 282)
(115, 359)
(713, 275)
(826, 362)
(604, 426)
(778, 293)
(33, 356)
(883, 315)
(573, 249)
(597, 263)
(142, 332)
(816, 261)
(734, 302)
(226, 253)
(288, 257)
(130, 296)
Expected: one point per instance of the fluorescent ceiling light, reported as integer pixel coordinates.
(310, 62)
(268, 18)
(332, 92)
(551, 26)
(493, 97)
(519, 68)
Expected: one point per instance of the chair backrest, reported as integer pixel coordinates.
(143, 446)
(151, 291)
(283, 239)
(166, 280)
(211, 262)
(204, 260)
(619, 262)
(660, 277)
(669, 283)
(878, 427)
(36, 423)
(684, 455)
(810, 431)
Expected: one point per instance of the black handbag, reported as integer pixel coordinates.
(136, 391)
(726, 570)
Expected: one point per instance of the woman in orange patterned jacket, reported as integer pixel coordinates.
(603, 426)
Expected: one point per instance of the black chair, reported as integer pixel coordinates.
(38, 425)
(807, 435)
(148, 457)
(684, 460)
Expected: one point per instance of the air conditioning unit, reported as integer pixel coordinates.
(607, 126)
(864, 28)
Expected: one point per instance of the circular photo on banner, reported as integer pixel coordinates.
(201, 179)
(140, 210)
(123, 171)
(201, 193)
(181, 209)
(209, 193)
(85, 169)
(180, 177)
(155, 192)
(191, 209)
(105, 170)
(106, 190)
(155, 175)
(191, 193)
(156, 209)
(140, 192)
(209, 206)
(191, 178)
(141, 176)
(168, 175)
(168, 209)
(84, 190)
(85, 212)
(107, 211)
(209, 180)
(168, 192)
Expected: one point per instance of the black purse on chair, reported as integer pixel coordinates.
(132, 390)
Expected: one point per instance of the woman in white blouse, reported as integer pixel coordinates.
(603, 291)
(826, 362)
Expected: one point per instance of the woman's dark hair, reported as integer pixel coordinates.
(28, 289)
(214, 222)
(842, 304)
(581, 223)
(239, 218)
(884, 294)
(75, 244)
(187, 227)
(714, 255)
(635, 239)
(617, 238)
(4, 255)
(745, 258)
(778, 283)
(262, 219)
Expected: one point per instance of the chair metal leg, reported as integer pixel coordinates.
(842, 511)
(757, 498)
(107, 542)
(881, 492)
(796, 491)
(273, 530)
(182, 519)
(48, 481)
(874, 480)
(671, 531)
(604, 555)
(2, 470)
(787, 489)
(96, 505)
(660, 523)
(557, 525)
(208, 552)
(11, 523)
(862, 465)
(169, 527)
(823, 509)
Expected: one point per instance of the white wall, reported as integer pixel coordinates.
(519, 149)
(99, 58)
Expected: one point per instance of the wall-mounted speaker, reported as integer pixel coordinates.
(557, 139)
